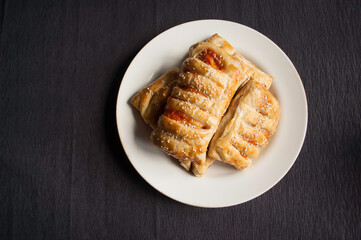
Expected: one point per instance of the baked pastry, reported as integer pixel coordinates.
(150, 101)
(208, 80)
(246, 127)
(255, 74)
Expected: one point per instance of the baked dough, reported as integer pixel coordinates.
(255, 74)
(208, 80)
(246, 127)
(150, 101)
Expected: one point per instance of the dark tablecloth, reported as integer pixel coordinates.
(63, 172)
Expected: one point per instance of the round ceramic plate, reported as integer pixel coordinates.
(222, 185)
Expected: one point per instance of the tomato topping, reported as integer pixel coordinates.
(213, 59)
(250, 141)
(178, 116)
(243, 155)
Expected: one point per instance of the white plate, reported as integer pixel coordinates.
(221, 185)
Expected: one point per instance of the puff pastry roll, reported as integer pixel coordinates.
(246, 127)
(256, 73)
(208, 80)
(150, 101)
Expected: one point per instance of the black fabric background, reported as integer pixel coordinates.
(63, 172)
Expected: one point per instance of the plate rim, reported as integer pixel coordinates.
(296, 153)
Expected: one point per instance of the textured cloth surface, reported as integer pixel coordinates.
(63, 172)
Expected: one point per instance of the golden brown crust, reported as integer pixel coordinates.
(250, 120)
(150, 101)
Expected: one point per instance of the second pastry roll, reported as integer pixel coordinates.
(246, 127)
